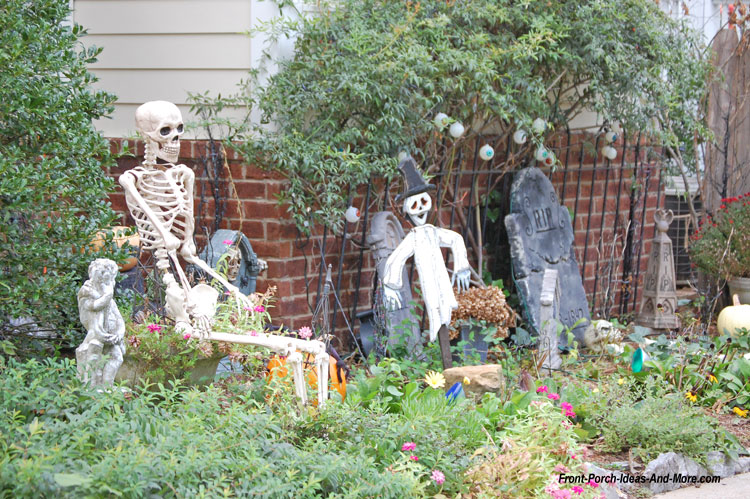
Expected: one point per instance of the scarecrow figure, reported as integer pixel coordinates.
(424, 242)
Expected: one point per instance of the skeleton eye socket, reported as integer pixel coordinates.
(425, 200)
(165, 131)
(414, 205)
(179, 128)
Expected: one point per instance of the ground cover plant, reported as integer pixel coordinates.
(53, 189)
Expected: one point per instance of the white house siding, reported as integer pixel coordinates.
(164, 49)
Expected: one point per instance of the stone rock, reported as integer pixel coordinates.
(541, 237)
(610, 490)
(483, 379)
(664, 467)
(743, 465)
(720, 464)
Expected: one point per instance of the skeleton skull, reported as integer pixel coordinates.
(417, 207)
(160, 123)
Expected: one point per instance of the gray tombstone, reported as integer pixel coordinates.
(384, 236)
(548, 338)
(541, 237)
(242, 267)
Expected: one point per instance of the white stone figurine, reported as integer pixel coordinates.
(424, 242)
(160, 199)
(100, 354)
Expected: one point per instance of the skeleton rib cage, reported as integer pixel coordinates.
(165, 194)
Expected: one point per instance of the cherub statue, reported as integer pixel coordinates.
(160, 199)
(424, 242)
(100, 354)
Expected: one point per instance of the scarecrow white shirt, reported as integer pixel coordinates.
(424, 242)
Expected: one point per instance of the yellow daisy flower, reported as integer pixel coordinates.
(621, 381)
(741, 413)
(712, 378)
(467, 381)
(691, 396)
(435, 379)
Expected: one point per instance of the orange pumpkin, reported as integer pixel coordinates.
(277, 368)
(120, 239)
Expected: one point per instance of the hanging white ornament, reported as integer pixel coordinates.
(539, 126)
(542, 153)
(610, 136)
(520, 136)
(352, 214)
(402, 156)
(486, 152)
(609, 152)
(456, 130)
(441, 119)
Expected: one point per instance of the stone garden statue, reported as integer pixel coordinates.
(100, 354)
(424, 242)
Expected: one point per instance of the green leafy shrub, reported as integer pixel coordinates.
(57, 438)
(368, 77)
(53, 190)
(651, 419)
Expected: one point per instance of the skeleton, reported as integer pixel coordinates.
(424, 242)
(160, 200)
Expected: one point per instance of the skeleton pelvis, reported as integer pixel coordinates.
(202, 300)
(277, 368)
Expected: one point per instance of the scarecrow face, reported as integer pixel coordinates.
(417, 206)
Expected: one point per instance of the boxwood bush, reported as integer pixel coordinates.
(53, 191)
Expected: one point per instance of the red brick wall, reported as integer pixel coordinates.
(294, 261)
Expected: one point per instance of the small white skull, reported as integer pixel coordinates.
(160, 123)
(417, 207)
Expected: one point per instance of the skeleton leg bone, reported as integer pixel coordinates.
(294, 359)
(321, 365)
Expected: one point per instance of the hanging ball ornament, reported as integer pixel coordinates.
(402, 156)
(486, 152)
(441, 119)
(539, 126)
(352, 214)
(456, 130)
(520, 136)
(550, 159)
(609, 152)
(610, 136)
(542, 154)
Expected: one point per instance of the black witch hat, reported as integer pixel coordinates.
(414, 183)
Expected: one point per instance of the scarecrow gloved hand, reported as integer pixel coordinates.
(391, 298)
(461, 278)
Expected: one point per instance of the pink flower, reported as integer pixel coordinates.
(561, 468)
(186, 336)
(592, 484)
(305, 332)
(227, 293)
(577, 489)
(569, 413)
(542, 389)
(438, 477)
(260, 308)
(566, 406)
(561, 494)
(253, 333)
(573, 456)
(228, 242)
(408, 446)
(414, 458)
(567, 425)
(248, 309)
(553, 396)
(154, 328)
